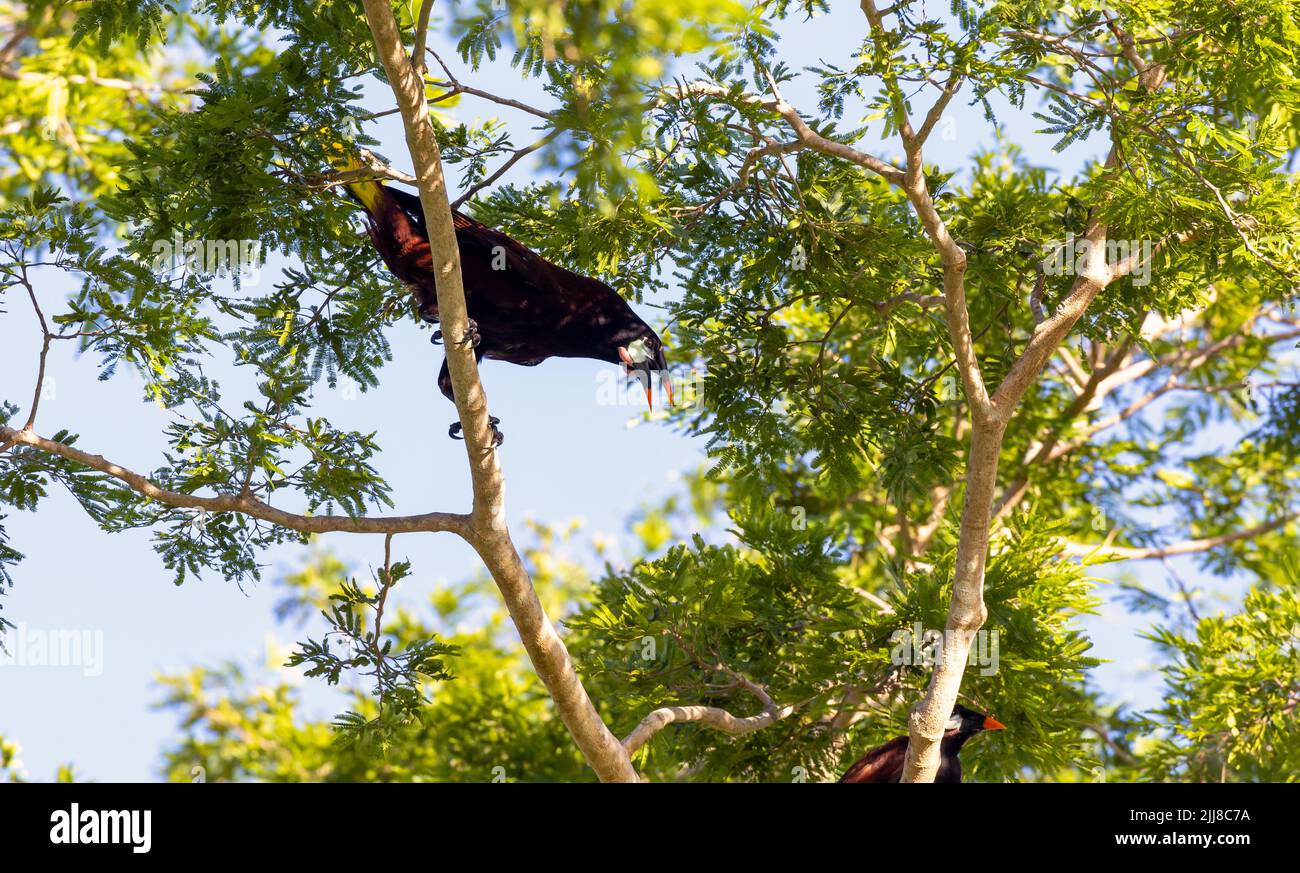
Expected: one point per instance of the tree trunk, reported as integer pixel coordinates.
(967, 613)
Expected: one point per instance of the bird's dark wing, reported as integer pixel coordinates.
(476, 239)
(881, 764)
(410, 204)
(527, 309)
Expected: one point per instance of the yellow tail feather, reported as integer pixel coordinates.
(367, 191)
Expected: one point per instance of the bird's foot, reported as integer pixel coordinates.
(436, 339)
(471, 334)
(497, 436)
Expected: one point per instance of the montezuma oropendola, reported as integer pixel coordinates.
(885, 763)
(522, 308)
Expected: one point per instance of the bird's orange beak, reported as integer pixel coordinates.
(992, 724)
(632, 366)
(667, 379)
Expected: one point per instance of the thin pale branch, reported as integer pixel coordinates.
(245, 504)
(519, 154)
(455, 86)
(421, 37)
(709, 716)
(806, 134)
(1187, 547)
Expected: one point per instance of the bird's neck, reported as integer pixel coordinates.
(954, 740)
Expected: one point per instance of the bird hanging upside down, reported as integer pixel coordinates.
(885, 763)
(522, 308)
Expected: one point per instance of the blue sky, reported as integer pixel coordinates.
(566, 456)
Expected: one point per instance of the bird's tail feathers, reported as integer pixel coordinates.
(367, 192)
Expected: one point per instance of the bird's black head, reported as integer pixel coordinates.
(968, 721)
(642, 352)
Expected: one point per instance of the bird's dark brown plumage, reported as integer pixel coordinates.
(525, 308)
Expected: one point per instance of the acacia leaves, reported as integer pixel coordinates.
(1230, 701)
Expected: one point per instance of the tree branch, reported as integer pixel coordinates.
(1072, 549)
(518, 155)
(46, 338)
(455, 86)
(488, 532)
(806, 134)
(421, 37)
(243, 503)
(710, 716)
(925, 301)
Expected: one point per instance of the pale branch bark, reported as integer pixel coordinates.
(852, 706)
(758, 692)
(1150, 76)
(847, 713)
(1186, 359)
(819, 143)
(1078, 376)
(939, 497)
(857, 700)
(421, 37)
(936, 111)
(373, 168)
(1087, 396)
(709, 716)
(771, 147)
(1048, 335)
(245, 503)
(488, 532)
(874, 599)
(951, 255)
(896, 97)
(1072, 549)
(10, 46)
(1036, 297)
(966, 613)
(712, 716)
(925, 301)
(1123, 754)
(1126, 44)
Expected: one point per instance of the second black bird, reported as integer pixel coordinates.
(885, 763)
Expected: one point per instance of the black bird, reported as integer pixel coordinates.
(522, 308)
(885, 763)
